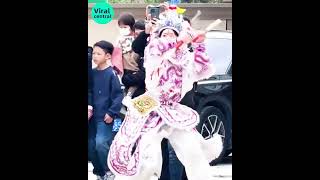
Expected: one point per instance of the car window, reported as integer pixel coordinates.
(220, 52)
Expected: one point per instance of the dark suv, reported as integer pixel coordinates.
(212, 98)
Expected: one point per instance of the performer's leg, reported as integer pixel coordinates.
(152, 155)
(151, 158)
(188, 149)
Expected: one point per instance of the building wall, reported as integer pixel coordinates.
(110, 31)
(97, 32)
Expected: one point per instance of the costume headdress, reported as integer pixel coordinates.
(172, 19)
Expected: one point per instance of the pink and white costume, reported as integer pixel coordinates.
(170, 74)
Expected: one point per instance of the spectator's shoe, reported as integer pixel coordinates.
(101, 177)
(109, 176)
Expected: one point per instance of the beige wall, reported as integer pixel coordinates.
(110, 32)
(97, 32)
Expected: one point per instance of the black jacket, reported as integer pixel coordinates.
(132, 78)
(140, 43)
(135, 78)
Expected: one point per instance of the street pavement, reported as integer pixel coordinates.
(222, 171)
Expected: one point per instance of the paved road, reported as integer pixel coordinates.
(223, 170)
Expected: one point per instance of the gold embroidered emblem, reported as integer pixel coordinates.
(144, 104)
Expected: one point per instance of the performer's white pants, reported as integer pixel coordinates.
(187, 146)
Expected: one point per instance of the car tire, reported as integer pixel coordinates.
(212, 120)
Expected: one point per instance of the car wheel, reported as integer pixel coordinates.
(212, 121)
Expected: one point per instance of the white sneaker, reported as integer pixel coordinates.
(109, 176)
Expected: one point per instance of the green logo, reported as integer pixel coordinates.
(102, 13)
